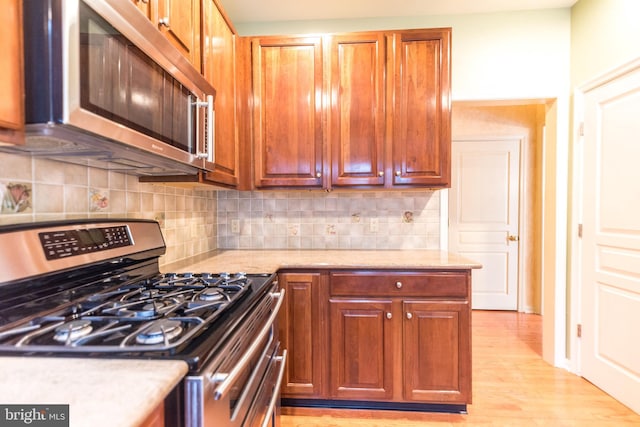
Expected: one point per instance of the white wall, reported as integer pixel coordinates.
(604, 34)
(514, 55)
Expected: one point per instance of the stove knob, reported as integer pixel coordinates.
(187, 275)
(240, 275)
(225, 276)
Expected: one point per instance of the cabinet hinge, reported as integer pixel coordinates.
(579, 330)
(580, 231)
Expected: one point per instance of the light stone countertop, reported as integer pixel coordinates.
(99, 392)
(269, 261)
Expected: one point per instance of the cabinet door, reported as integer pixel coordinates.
(361, 349)
(287, 111)
(11, 77)
(421, 113)
(437, 352)
(357, 126)
(219, 68)
(300, 333)
(147, 7)
(179, 21)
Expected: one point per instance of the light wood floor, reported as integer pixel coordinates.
(512, 386)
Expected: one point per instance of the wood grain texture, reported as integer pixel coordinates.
(512, 386)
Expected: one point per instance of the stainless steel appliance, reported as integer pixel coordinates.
(93, 288)
(105, 88)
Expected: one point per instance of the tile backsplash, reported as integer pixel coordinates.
(38, 189)
(195, 221)
(336, 220)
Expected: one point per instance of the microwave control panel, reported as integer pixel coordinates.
(65, 243)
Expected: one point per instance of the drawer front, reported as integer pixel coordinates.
(419, 284)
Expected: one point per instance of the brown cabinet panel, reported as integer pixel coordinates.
(287, 111)
(179, 21)
(402, 284)
(421, 112)
(11, 77)
(436, 352)
(300, 334)
(148, 8)
(219, 68)
(357, 128)
(361, 347)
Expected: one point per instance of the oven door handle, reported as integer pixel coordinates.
(227, 380)
(276, 395)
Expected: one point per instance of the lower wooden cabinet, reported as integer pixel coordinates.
(362, 335)
(301, 327)
(378, 336)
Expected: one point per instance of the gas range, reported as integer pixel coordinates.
(94, 289)
(161, 313)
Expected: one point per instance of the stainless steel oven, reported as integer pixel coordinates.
(92, 288)
(241, 386)
(105, 88)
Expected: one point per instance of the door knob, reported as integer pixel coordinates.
(513, 238)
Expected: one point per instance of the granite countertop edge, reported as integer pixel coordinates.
(273, 260)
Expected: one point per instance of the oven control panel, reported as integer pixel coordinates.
(65, 243)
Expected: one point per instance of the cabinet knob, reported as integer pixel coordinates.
(398, 173)
(513, 238)
(164, 21)
(389, 315)
(399, 285)
(318, 175)
(409, 316)
(381, 173)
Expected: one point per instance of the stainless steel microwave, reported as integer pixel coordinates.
(105, 88)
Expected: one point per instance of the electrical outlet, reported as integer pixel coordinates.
(235, 226)
(373, 225)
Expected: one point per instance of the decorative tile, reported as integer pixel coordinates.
(15, 197)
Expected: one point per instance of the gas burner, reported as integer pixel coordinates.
(149, 293)
(160, 331)
(72, 330)
(211, 294)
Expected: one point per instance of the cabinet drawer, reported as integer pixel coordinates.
(420, 284)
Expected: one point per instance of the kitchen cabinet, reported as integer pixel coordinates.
(420, 114)
(392, 337)
(362, 340)
(301, 333)
(12, 76)
(381, 100)
(219, 68)
(179, 21)
(288, 129)
(357, 120)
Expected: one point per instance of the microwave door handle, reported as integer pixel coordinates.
(190, 124)
(211, 127)
(208, 152)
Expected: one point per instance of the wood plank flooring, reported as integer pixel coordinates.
(512, 386)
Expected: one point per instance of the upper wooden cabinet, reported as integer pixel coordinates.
(288, 130)
(12, 75)
(357, 109)
(219, 68)
(374, 111)
(179, 21)
(420, 116)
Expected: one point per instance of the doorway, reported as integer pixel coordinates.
(523, 121)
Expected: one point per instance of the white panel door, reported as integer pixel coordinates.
(484, 215)
(610, 265)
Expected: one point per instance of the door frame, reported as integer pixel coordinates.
(575, 219)
(523, 224)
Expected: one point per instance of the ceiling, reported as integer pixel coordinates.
(241, 11)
